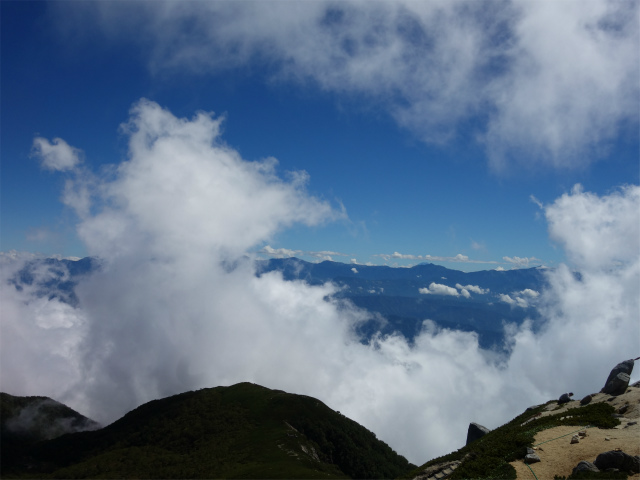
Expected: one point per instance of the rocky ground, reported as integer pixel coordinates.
(559, 456)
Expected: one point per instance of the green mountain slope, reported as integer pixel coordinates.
(242, 431)
(24, 421)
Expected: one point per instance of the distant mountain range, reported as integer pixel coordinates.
(475, 301)
(471, 301)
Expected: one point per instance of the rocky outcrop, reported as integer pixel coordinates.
(617, 385)
(475, 432)
(618, 380)
(617, 459)
(439, 471)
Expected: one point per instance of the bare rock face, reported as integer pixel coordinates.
(620, 460)
(475, 432)
(617, 385)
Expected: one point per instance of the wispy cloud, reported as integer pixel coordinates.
(279, 252)
(558, 78)
(288, 253)
(521, 262)
(459, 258)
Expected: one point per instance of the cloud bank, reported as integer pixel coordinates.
(559, 79)
(176, 304)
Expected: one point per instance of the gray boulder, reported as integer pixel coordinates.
(585, 466)
(531, 458)
(622, 367)
(620, 460)
(475, 432)
(587, 399)
(617, 385)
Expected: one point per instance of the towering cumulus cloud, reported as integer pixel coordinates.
(176, 305)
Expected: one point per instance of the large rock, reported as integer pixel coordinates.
(531, 456)
(475, 432)
(617, 385)
(620, 460)
(584, 466)
(587, 399)
(622, 367)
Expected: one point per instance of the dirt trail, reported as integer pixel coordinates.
(558, 456)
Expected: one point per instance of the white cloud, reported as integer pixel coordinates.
(506, 298)
(176, 307)
(523, 298)
(325, 254)
(430, 258)
(520, 262)
(599, 232)
(570, 82)
(527, 292)
(514, 301)
(279, 252)
(472, 288)
(354, 270)
(56, 155)
(439, 289)
(559, 78)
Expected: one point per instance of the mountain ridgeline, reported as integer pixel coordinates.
(241, 431)
(403, 297)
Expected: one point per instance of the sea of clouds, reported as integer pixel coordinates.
(176, 305)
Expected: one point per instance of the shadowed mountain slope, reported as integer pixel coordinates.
(242, 431)
(24, 421)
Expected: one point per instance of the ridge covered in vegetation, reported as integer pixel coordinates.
(242, 431)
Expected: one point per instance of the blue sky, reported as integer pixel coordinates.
(433, 141)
